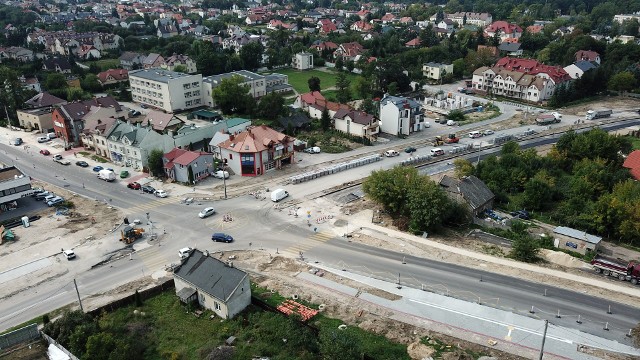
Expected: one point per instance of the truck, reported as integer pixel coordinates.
(624, 271)
(598, 114)
(548, 119)
(130, 234)
(60, 160)
(106, 175)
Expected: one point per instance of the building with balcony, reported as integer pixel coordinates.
(356, 123)
(400, 115)
(436, 71)
(14, 184)
(166, 90)
(302, 61)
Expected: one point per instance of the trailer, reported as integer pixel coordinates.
(623, 271)
(548, 119)
(598, 114)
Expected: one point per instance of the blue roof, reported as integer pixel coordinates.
(236, 121)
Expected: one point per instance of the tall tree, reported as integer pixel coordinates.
(251, 55)
(314, 83)
(233, 97)
(271, 106)
(623, 81)
(12, 94)
(154, 162)
(343, 94)
(325, 120)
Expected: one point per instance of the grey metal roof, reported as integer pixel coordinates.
(577, 234)
(585, 65)
(472, 189)
(210, 275)
(399, 101)
(506, 46)
(247, 75)
(157, 74)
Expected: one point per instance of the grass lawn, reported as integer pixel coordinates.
(298, 79)
(104, 64)
(635, 142)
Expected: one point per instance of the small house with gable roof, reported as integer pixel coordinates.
(470, 191)
(177, 162)
(215, 285)
(575, 240)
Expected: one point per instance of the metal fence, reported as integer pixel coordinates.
(27, 333)
(51, 341)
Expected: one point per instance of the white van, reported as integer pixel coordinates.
(475, 134)
(437, 152)
(106, 175)
(391, 153)
(278, 194)
(185, 252)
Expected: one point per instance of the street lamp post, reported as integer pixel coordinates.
(224, 178)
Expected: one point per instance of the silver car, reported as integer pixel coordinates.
(206, 212)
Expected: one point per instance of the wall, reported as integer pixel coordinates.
(35, 119)
(24, 334)
(389, 119)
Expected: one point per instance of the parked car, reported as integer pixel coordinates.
(82, 163)
(410, 150)
(43, 139)
(60, 160)
(45, 152)
(312, 150)
(17, 141)
(124, 174)
(148, 189)
(69, 254)
(97, 168)
(487, 132)
(522, 214)
(36, 191)
(436, 152)
(134, 185)
(144, 106)
(185, 252)
(221, 237)
(391, 153)
(55, 201)
(206, 212)
(52, 136)
(161, 193)
(220, 174)
(41, 195)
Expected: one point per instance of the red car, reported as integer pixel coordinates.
(133, 185)
(45, 152)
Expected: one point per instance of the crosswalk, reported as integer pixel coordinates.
(309, 243)
(142, 208)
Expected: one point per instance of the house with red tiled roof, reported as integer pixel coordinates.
(406, 20)
(535, 29)
(524, 79)
(304, 100)
(113, 76)
(177, 163)
(361, 26)
(321, 46)
(632, 162)
(588, 55)
(363, 14)
(316, 109)
(327, 26)
(88, 52)
(257, 150)
(388, 18)
(504, 30)
(413, 43)
(348, 51)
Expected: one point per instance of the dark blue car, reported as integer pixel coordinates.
(221, 237)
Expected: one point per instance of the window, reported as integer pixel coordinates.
(216, 305)
(186, 86)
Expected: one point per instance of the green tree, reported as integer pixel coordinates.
(271, 106)
(343, 94)
(104, 346)
(390, 188)
(91, 83)
(233, 97)
(12, 94)
(362, 87)
(339, 63)
(55, 81)
(623, 81)
(525, 249)
(392, 88)
(456, 115)
(251, 55)
(428, 206)
(325, 120)
(154, 162)
(314, 83)
(463, 167)
(180, 68)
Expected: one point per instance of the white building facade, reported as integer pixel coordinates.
(166, 90)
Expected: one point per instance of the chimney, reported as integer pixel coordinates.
(231, 137)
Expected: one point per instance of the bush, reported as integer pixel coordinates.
(455, 115)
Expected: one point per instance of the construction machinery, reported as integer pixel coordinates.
(438, 141)
(452, 139)
(130, 234)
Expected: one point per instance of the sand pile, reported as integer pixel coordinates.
(560, 258)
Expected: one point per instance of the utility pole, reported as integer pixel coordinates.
(78, 292)
(544, 337)
(224, 177)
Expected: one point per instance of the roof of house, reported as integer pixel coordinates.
(44, 99)
(585, 65)
(129, 56)
(183, 157)
(152, 58)
(509, 46)
(504, 27)
(297, 119)
(358, 117)
(533, 67)
(311, 97)
(352, 48)
(174, 153)
(577, 234)
(472, 189)
(62, 63)
(177, 59)
(210, 275)
(587, 55)
(414, 42)
(632, 162)
(157, 74)
(159, 120)
(98, 126)
(399, 102)
(78, 110)
(117, 74)
(236, 121)
(255, 139)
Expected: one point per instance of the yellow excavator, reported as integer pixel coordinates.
(130, 234)
(438, 141)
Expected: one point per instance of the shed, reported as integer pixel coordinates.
(469, 190)
(575, 240)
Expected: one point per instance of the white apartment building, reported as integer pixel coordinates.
(257, 84)
(436, 71)
(626, 17)
(166, 90)
(302, 61)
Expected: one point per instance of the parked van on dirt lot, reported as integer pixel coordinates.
(278, 195)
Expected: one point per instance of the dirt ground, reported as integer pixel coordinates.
(611, 103)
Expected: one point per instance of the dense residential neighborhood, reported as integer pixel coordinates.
(243, 175)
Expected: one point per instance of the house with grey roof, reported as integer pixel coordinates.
(510, 48)
(130, 60)
(177, 162)
(356, 123)
(578, 68)
(575, 240)
(213, 284)
(470, 191)
(400, 116)
(126, 144)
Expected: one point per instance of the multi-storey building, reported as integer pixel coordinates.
(302, 61)
(400, 115)
(436, 71)
(166, 90)
(14, 184)
(256, 83)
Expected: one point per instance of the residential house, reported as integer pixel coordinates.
(93, 135)
(361, 26)
(162, 122)
(16, 53)
(415, 43)
(620, 18)
(15, 185)
(254, 19)
(348, 51)
(69, 119)
(511, 48)
(524, 79)
(588, 55)
(492, 50)
(37, 116)
(400, 115)
(302, 61)
(259, 85)
(183, 60)
(152, 60)
(88, 52)
(316, 109)
(295, 122)
(30, 83)
(632, 162)
(326, 26)
(70, 42)
(176, 164)
(388, 18)
(304, 100)
(470, 191)
(167, 90)
(257, 150)
(322, 46)
(277, 83)
(167, 31)
(113, 76)
(125, 143)
(504, 30)
(436, 71)
(575, 240)
(213, 284)
(130, 60)
(578, 68)
(356, 123)
(59, 65)
(406, 20)
(446, 24)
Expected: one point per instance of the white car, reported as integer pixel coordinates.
(161, 193)
(185, 252)
(487, 132)
(69, 254)
(206, 212)
(391, 153)
(43, 139)
(55, 201)
(220, 174)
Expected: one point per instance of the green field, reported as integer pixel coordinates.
(298, 79)
(104, 64)
(635, 142)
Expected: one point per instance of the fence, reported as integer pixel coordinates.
(144, 294)
(297, 179)
(50, 340)
(27, 333)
